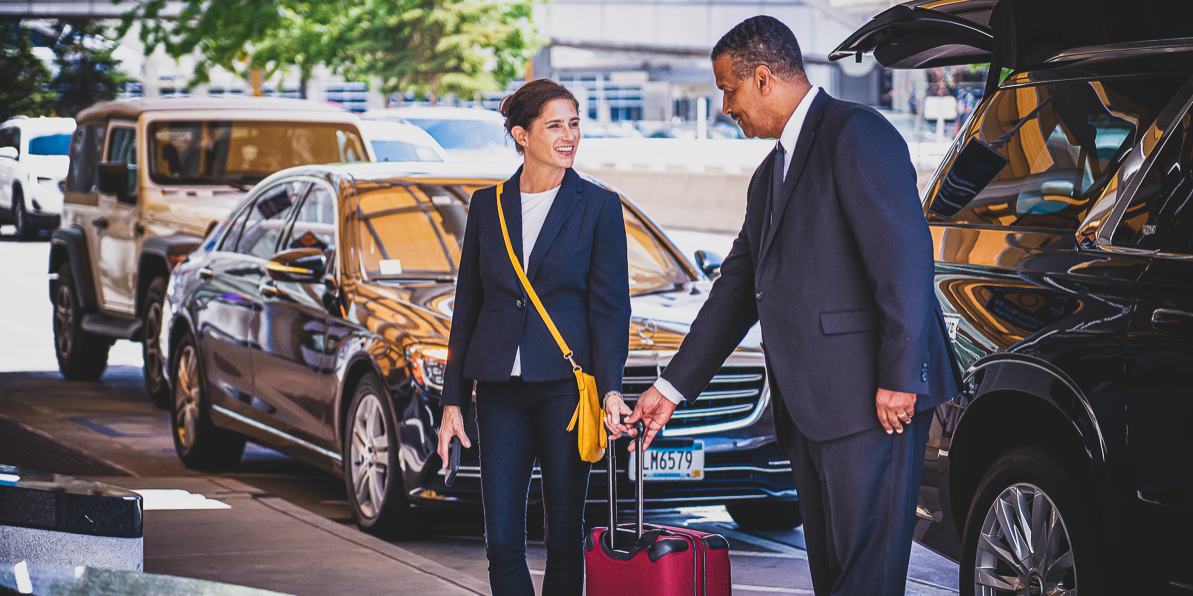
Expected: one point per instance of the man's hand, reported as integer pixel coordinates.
(654, 411)
(451, 425)
(895, 409)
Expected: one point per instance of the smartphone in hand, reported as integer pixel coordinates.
(453, 460)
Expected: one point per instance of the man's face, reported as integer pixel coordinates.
(743, 98)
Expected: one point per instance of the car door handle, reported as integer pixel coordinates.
(1167, 319)
(267, 289)
(100, 222)
(206, 273)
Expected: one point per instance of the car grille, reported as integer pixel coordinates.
(732, 395)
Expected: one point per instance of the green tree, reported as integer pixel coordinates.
(24, 79)
(241, 36)
(438, 47)
(424, 46)
(87, 71)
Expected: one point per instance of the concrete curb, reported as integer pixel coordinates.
(355, 536)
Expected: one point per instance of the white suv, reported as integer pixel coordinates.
(33, 164)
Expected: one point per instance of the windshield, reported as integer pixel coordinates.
(464, 134)
(414, 231)
(56, 144)
(403, 151)
(209, 152)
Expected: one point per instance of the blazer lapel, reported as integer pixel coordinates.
(799, 158)
(565, 201)
(511, 204)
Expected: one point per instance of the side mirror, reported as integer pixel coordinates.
(298, 265)
(115, 178)
(9, 152)
(710, 263)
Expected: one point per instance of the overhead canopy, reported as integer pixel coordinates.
(1017, 34)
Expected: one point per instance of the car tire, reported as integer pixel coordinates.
(157, 380)
(81, 356)
(20, 218)
(1021, 485)
(768, 515)
(200, 444)
(373, 477)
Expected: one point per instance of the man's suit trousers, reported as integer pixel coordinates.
(858, 495)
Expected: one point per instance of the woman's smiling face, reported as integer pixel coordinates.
(553, 137)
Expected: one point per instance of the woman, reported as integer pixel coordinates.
(570, 238)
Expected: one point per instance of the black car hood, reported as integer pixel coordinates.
(1016, 34)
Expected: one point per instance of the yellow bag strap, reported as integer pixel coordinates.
(563, 346)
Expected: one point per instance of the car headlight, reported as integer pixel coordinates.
(428, 365)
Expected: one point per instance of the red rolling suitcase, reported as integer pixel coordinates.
(649, 559)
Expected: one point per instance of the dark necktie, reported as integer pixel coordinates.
(776, 188)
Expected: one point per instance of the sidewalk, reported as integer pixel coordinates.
(262, 541)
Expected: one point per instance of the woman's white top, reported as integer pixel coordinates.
(535, 206)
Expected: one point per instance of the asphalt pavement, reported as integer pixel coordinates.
(276, 523)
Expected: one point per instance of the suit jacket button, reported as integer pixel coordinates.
(758, 295)
(520, 303)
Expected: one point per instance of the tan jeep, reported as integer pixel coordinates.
(148, 178)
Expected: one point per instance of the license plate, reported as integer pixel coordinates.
(684, 462)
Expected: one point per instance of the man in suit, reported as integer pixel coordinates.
(835, 261)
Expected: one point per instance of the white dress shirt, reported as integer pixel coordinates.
(789, 137)
(535, 206)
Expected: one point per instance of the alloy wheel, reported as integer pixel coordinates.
(1024, 547)
(186, 396)
(64, 319)
(369, 453)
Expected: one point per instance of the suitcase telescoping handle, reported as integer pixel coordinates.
(611, 463)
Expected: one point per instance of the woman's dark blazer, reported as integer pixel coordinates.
(578, 268)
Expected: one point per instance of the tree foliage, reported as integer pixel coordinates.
(24, 79)
(442, 46)
(87, 72)
(422, 46)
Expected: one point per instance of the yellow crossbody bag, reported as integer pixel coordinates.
(591, 436)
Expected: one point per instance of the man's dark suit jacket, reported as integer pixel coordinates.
(578, 268)
(842, 283)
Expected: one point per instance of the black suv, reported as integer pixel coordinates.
(1062, 220)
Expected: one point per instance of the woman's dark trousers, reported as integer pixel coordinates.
(518, 423)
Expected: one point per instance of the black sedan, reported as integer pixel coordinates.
(314, 320)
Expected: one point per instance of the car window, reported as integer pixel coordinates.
(228, 242)
(55, 144)
(415, 231)
(653, 267)
(1159, 216)
(403, 151)
(245, 152)
(464, 134)
(410, 230)
(267, 219)
(11, 137)
(1039, 156)
(85, 148)
(122, 148)
(315, 223)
